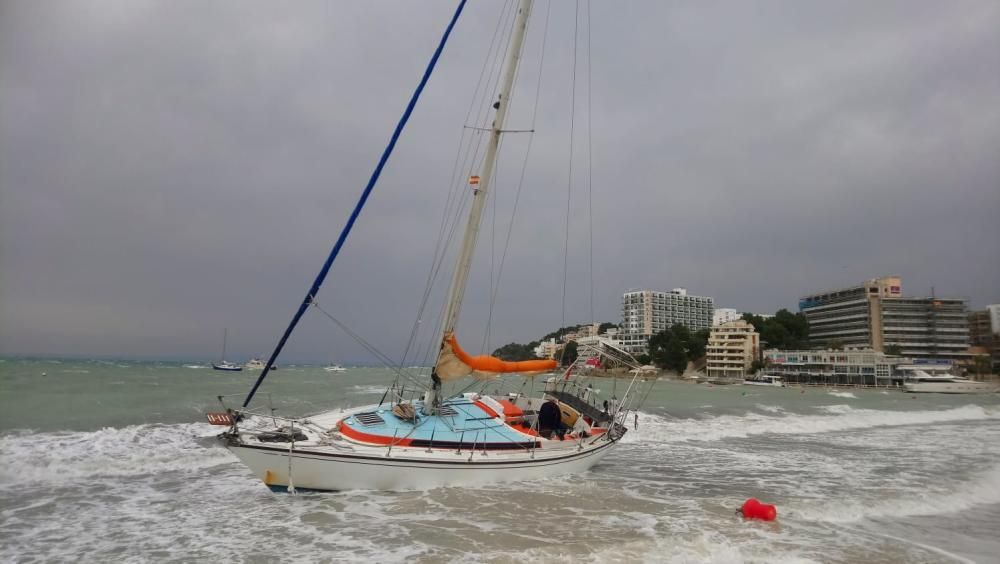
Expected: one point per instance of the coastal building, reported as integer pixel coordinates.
(858, 367)
(647, 312)
(876, 315)
(732, 347)
(547, 349)
(725, 315)
(994, 310)
(588, 347)
(984, 332)
(980, 328)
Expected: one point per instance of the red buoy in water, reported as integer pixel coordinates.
(753, 509)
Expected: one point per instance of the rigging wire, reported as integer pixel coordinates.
(342, 238)
(471, 159)
(493, 233)
(524, 164)
(569, 182)
(454, 187)
(382, 357)
(590, 169)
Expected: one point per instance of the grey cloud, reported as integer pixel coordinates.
(171, 168)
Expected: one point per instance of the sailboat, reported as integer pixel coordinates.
(428, 439)
(224, 364)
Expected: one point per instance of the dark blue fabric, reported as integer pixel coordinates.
(357, 208)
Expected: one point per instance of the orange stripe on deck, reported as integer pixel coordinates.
(352, 433)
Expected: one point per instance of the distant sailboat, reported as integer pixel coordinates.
(421, 438)
(224, 364)
(334, 368)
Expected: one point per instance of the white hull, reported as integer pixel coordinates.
(410, 468)
(777, 383)
(967, 387)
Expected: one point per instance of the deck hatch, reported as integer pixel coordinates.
(369, 418)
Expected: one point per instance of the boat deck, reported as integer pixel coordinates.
(463, 423)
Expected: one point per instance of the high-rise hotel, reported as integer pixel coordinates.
(647, 312)
(875, 314)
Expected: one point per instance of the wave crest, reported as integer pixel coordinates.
(839, 418)
(70, 456)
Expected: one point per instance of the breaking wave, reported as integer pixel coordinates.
(983, 488)
(67, 456)
(838, 418)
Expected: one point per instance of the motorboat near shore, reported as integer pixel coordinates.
(928, 379)
(764, 380)
(257, 364)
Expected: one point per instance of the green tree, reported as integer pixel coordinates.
(696, 346)
(569, 353)
(672, 348)
(786, 330)
(516, 351)
(675, 358)
(982, 364)
(757, 365)
(605, 326)
(558, 333)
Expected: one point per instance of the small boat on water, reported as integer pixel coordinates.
(224, 364)
(334, 368)
(921, 380)
(764, 380)
(256, 364)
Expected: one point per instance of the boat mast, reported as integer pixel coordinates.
(460, 277)
(225, 334)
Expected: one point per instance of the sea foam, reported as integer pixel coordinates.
(982, 489)
(839, 418)
(68, 456)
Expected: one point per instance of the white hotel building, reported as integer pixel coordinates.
(647, 312)
(725, 315)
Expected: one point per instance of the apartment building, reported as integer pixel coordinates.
(647, 312)
(732, 348)
(876, 315)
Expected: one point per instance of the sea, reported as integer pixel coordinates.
(113, 461)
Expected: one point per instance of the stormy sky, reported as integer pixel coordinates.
(172, 168)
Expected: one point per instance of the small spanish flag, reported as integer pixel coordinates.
(474, 180)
